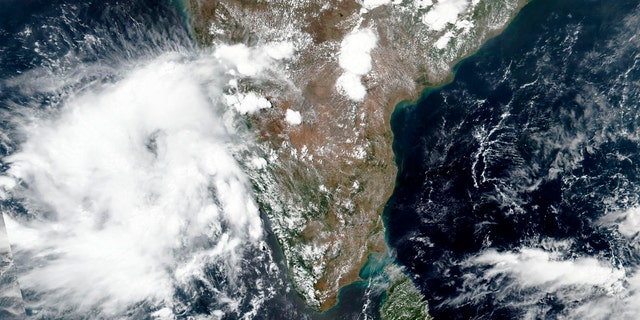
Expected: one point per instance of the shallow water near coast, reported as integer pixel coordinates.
(518, 185)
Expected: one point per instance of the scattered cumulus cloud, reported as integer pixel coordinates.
(293, 117)
(372, 4)
(422, 4)
(444, 12)
(355, 60)
(536, 267)
(247, 102)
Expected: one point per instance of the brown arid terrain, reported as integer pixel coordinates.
(327, 178)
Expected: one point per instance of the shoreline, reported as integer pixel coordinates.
(424, 93)
(377, 173)
(426, 89)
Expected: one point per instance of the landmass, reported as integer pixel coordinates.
(404, 301)
(326, 166)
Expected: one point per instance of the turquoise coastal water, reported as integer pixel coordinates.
(527, 158)
(52, 52)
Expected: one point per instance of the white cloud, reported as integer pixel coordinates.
(444, 12)
(258, 163)
(293, 117)
(132, 187)
(372, 4)
(444, 40)
(240, 62)
(464, 25)
(351, 86)
(535, 267)
(250, 61)
(11, 304)
(628, 222)
(593, 288)
(355, 51)
(280, 50)
(355, 60)
(421, 4)
(247, 102)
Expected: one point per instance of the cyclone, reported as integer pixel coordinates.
(122, 192)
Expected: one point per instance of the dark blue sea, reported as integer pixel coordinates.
(519, 181)
(51, 53)
(517, 195)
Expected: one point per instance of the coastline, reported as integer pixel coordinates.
(383, 99)
(427, 88)
(401, 107)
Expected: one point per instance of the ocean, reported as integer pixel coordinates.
(517, 194)
(518, 186)
(118, 182)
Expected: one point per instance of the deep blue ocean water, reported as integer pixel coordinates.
(85, 45)
(531, 146)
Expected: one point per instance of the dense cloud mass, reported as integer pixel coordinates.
(122, 184)
(122, 191)
(519, 186)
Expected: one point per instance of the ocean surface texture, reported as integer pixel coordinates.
(518, 193)
(120, 190)
(517, 196)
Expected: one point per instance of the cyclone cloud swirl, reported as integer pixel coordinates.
(121, 190)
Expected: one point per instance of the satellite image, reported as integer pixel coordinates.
(319, 159)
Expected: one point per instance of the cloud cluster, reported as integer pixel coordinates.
(587, 287)
(131, 188)
(355, 60)
(536, 267)
(443, 13)
(372, 4)
(293, 117)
